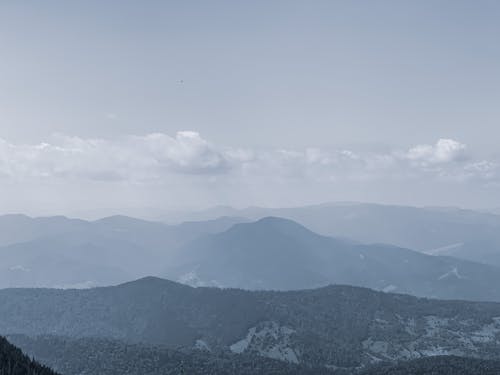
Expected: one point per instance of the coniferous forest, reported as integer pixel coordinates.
(14, 362)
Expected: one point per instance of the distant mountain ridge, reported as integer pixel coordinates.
(468, 234)
(276, 253)
(272, 253)
(338, 326)
(19, 228)
(62, 252)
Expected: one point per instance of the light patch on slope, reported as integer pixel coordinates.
(390, 288)
(202, 345)
(242, 345)
(431, 335)
(192, 279)
(453, 273)
(379, 350)
(410, 325)
(444, 249)
(82, 285)
(487, 333)
(435, 351)
(270, 340)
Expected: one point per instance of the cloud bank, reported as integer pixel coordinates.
(158, 156)
(128, 158)
(444, 151)
(66, 173)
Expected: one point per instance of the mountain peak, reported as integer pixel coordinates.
(274, 223)
(152, 281)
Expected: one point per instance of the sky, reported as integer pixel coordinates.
(143, 106)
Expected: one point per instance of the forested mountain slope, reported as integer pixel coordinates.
(111, 357)
(439, 365)
(331, 326)
(14, 362)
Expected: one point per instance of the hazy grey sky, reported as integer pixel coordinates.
(126, 104)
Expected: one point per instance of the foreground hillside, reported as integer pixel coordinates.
(338, 326)
(440, 365)
(111, 357)
(14, 362)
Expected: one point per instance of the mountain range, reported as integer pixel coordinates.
(468, 234)
(72, 253)
(289, 319)
(269, 254)
(330, 327)
(276, 253)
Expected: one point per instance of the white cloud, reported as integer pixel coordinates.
(154, 169)
(188, 152)
(444, 151)
(158, 157)
(484, 169)
(131, 157)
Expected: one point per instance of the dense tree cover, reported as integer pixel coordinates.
(330, 325)
(14, 362)
(111, 357)
(440, 365)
